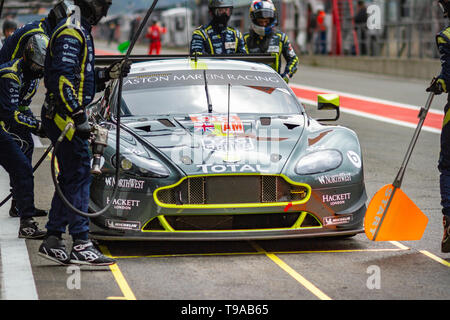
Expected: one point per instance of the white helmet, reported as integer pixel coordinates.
(262, 9)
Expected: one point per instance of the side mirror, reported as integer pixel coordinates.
(328, 102)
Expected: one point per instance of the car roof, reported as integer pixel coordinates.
(184, 63)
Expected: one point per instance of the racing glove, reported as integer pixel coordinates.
(39, 130)
(114, 70)
(437, 86)
(82, 127)
(285, 77)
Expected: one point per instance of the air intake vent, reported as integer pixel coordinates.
(232, 189)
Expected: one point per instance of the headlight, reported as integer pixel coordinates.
(143, 167)
(319, 161)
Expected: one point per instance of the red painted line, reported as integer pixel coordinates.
(287, 207)
(433, 120)
(105, 52)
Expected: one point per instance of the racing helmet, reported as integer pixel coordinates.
(34, 53)
(9, 25)
(62, 9)
(93, 10)
(216, 7)
(445, 7)
(262, 9)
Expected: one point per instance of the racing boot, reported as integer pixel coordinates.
(54, 249)
(84, 253)
(445, 245)
(14, 212)
(29, 229)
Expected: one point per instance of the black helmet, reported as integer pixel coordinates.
(220, 4)
(93, 10)
(34, 53)
(445, 6)
(8, 25)
(220, 19)
(62, 9)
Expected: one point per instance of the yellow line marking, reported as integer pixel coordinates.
(253, 253)
(435, 258)
(307, 284)
(424, 252)
(399, 245)
(120, 279)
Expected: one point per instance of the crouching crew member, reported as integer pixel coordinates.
(13, 48)
(15, 77)
(71, 82)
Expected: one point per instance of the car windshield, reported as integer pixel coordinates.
(181, 92)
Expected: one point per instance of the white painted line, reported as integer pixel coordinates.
(375, 117)
(376, 100)
(37, 142)
(17, 281)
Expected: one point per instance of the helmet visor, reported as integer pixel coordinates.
(264, 13)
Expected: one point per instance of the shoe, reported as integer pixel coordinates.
(445, 244)
(84, 252)
(13, 212)
(29, 229)
(54, 249)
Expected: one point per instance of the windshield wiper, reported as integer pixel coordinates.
(208, 99)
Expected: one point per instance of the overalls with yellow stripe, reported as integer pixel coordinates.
(69, 70)
(207, 40)
(276, 43)
(11, 85)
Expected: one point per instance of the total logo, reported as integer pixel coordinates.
(220, 168)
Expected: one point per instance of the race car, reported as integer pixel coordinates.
(222, 149)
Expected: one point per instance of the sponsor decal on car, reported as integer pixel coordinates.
(123, 225)
(123, 204)
(125, 183)
(220, 168)
(336, 199)
(335, 220)
(335, 178)
(220, 124)
(354, 158)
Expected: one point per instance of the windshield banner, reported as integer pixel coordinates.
(196, 77)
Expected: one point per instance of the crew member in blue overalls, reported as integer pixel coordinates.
(15, 76)
(263, 38)
(439, 85)
(217, 37)
(12, 48)
(71, 82)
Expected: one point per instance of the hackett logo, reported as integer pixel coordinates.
(381, 209)
(124, 204)
(335, 199)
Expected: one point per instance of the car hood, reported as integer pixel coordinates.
(218, 143)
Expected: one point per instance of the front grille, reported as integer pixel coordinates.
(297, 220)
(232, 189)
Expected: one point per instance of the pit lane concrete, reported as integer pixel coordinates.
(339, 269)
